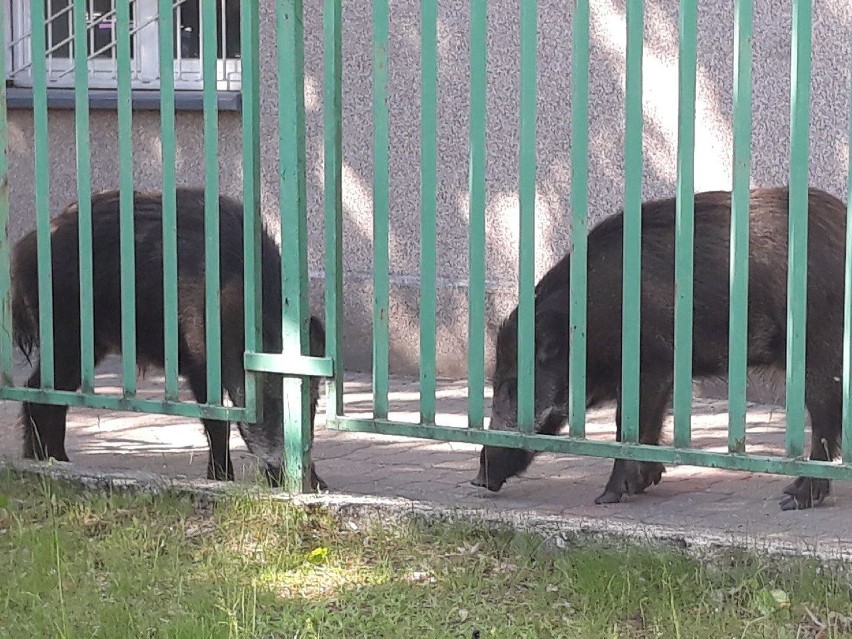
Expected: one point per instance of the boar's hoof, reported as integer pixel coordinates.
(805, 492)
(483, 480)
(317, 483)
(609, 497)
(216, 472)
(630, 478)
(275, 476)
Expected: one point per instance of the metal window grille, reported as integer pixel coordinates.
(101, 53)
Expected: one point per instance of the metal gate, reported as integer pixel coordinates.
(576, 442)
(45, 50)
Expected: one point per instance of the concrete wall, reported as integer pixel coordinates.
(832, 34)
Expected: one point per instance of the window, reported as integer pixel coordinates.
(144, 44)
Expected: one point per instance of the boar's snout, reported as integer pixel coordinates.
(497, 464)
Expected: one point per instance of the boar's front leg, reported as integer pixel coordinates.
(826, 415)
(633, 477)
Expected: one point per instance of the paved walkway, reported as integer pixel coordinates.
(693, 502)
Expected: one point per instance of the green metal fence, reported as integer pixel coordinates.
(292, 206)
(128, 400)
(576, 443)
(292, 212)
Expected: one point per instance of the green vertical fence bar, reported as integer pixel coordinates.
(380, 209)
(167, 145)
(684, 226)
(579, 217)
(293, 214)
(476, 253)
(738, 321)
(42, 198)
(798, 228)
(252, 273)
(632, 239)
(846, 436)
(125, 179)
(5, 276)
(84, 196)
(526, 258)
(333, 115)
(211, 204)
(428, 181)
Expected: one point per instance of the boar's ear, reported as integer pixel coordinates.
(551, 336)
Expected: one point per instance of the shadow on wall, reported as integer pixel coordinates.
(713, 152)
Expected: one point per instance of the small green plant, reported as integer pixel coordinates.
(91, 564)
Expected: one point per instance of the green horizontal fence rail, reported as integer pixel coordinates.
(476, 432)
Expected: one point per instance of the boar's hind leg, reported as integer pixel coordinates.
(44, 424)
(219, 464)
(317, 482)
(43, 427)
(633, 477)
(826, 416)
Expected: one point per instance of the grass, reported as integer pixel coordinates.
(86, 564)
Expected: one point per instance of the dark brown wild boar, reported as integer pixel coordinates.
(767, 330)
(44, 425)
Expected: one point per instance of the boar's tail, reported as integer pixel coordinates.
(24, 298)
(24, 323)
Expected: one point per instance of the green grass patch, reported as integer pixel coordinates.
(86, 564)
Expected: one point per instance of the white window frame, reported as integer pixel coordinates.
(145, 69)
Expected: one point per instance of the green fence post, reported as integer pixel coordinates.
(212, 299)
(380, 209)
(846, 437)
(167, 145)
(293, 215)
(252, 272)
(738, 322)
(476, 254)
(333, 112)
(526, 257)
(428, 212)
(5, 249)
(126, 205)
(84, 196)
(797, 281)
(632, 234)
(684, 226)
(42, 197)
(579, 218)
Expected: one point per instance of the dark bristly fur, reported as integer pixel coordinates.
(44, 425)
(767, 317)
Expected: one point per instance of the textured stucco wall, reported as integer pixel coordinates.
(831, 53)
(832, 34)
